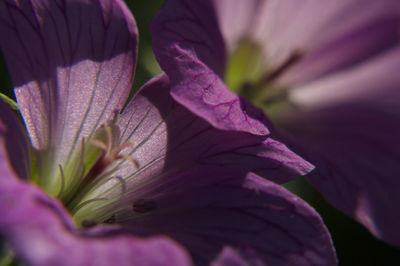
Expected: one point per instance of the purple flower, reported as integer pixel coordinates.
(89, 182)
(325, 73)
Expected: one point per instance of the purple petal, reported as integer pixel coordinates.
(375, 81)
(328, 36)
(228, 256)
(17, 143)
(374, 32)
(190, 25)
(235, 18)
(232, 257)
(72, 65)
(190, 186)
(183, 41)
(41, 232)
(168, 138)
(209, 209)
(348, 126)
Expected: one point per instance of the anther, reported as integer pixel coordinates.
(88, 223)
(144, 206)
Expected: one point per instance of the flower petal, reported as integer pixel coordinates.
(235, 18)
(72, 64)
(354, 37)
(327, 36)
(209, 209)
(191, 51)
(166, 132)
(348, 126)
(17, 143)
(41, 232)
(228, 256)
(232, 257)
(169, 140)
(375, 81)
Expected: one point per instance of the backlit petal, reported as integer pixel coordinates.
(72, 64)
(41, 232)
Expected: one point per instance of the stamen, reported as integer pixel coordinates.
(100, 170)
(128, 158)
(98, 144)
(111, 154)
(81, 160)
(109, 138)
(87, 202)
(116, 150)
(62, 180)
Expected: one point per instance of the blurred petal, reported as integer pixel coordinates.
(209, 209)
(355, 150)
(16, 141)
(348, 126)
(235, 18)
(328, 35)
(191, 51)
(41, 232)
(366, 34)
(375, 82)
(72, 64)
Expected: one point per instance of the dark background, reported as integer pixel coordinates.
(354, 244)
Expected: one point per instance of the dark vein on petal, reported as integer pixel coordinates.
(90, 103)
(127, 125)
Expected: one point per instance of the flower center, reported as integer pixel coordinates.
(83, 182)
(249, 76)
(101, 168)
